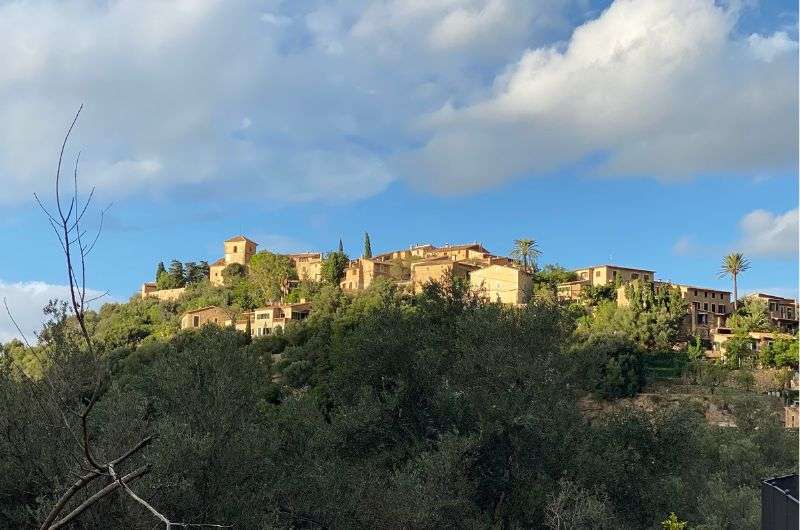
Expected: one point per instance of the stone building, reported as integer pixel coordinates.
(237, 249)
(437, 269)
(205, 315)
(502, 283)
(361, 272)
(782, 311)
(600, 275)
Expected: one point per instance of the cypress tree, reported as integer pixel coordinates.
(341, 246)
(367, 246)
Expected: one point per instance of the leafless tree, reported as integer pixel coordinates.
(66, 217)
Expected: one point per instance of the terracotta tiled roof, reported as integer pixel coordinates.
(615, 267)
(203, 309)
(239, 238)
(476, 246)
(220, 261)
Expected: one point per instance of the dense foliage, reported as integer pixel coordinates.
(382, 410)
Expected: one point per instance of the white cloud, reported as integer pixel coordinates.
(660, 87)
(26, 301)
(768, 234)
(767, 48)
(332, 100)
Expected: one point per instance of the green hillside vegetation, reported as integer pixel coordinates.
(387, 410)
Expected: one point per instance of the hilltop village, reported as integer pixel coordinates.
(493, 278)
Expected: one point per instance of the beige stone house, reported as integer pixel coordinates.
(782, 311)
(708, 309)
(436, 269)
(758, 340)
(601, 275)
(237, 249)
(361, 272)
(205, 315)
(268, 320)
(414, 251)
(308, 265)
(502, 283)
(470, 251)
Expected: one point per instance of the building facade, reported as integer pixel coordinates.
(237, 249)
(502, 283)
(708, 310)
(361, 272)
(269, 319)
(205, 315)
(437, 269)
(782, 311)
(308, 265)
(600, 275)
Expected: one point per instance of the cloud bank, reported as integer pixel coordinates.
(334, 101)
(26, 301)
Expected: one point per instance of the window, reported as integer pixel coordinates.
(772, 306)
(695, 292)
(262, 316)
(713, 308)
(234, 249)
(597, 273)
(713, 295)
(195, 321)
(696, 306)
(705, 307)
(721, 309)
(634, 276)
(702, 318)
(705, 294)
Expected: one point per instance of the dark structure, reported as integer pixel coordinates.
(779, 504)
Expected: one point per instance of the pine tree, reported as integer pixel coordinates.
(190, 274)
(160, 269)
(176, 272)
(203, 270)
(367, 246)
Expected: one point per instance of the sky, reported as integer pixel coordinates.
(659, 134)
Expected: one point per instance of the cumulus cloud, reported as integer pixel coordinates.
(303, 101)
(768, 234)
(293, 102)
(660, 88)
(26, 301)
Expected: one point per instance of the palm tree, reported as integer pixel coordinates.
(733, 265)
(525, 250)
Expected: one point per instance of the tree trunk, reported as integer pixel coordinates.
(735, 294)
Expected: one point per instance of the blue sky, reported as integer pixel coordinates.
(651, 133)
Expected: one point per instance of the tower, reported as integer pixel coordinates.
(239, 250)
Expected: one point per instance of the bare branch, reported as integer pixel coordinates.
(60, 158)
(99, 495)
(135, 497)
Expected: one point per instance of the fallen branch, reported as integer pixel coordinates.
(99, 495)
